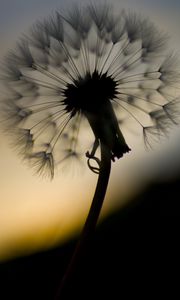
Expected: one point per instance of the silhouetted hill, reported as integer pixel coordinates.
(134, 254)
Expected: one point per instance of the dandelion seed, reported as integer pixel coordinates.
(23, 141)
(43, 163)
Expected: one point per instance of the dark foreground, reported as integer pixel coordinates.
(134, 254)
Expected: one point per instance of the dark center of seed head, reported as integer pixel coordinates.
(88, 94)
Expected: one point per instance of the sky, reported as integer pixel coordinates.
(36, 213)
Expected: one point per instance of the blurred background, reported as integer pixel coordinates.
(135, 248)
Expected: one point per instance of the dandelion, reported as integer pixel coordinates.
(89, 65)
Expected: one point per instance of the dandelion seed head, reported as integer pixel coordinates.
(88, 65)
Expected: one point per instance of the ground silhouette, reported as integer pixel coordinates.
(134, 253)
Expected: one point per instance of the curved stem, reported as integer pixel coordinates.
(91, 220)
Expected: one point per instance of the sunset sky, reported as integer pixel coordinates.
(36, 213)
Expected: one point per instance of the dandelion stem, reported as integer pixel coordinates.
(91, 220)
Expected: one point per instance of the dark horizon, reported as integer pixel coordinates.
(135, 251)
